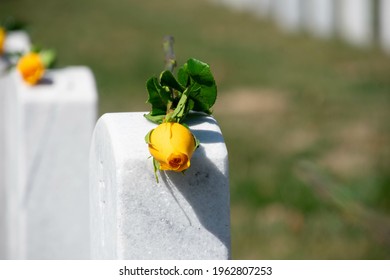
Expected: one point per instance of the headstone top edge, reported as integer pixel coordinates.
(121, 127)
(71, 83)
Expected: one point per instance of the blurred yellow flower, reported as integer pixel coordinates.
(172, 145)
(31, 68)
(2, 40)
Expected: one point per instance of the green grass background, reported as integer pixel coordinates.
(306, 122)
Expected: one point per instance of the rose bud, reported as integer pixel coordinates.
(31, 68)
(172, 145)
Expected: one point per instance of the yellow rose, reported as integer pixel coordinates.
(31, 68)
(172, 145)
(2, 40)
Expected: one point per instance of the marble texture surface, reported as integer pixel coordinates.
(48, 132)
(16, 41)
(134, 217)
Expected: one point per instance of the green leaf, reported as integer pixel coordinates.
(182, 76)
(156, 119)
(181, 109)
(203, 89)
(48, 57)
(197, 142)
(156, 166)
(167, 79)
(190, 105)
(158, 97)
(200, 72)
(36, 48)
(147, 137)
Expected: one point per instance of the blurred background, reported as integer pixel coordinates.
(305, 120)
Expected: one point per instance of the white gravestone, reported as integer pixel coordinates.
(356, 21)
(16, 41)
(48, 132)
(319, 17)
(184, 216)
(384, 24)
(287, 14)
(263, 8)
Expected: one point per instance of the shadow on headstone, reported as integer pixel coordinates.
(184, 216)
(202, 187)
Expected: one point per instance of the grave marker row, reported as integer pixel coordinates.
(70, 193)
(352, 20)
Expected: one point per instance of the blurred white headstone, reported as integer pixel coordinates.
(184, 216)
(287, 14)
(48, 131)
(16, 41)
(263, 7)
(356, 21)
(384, 24)
(319, 17)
